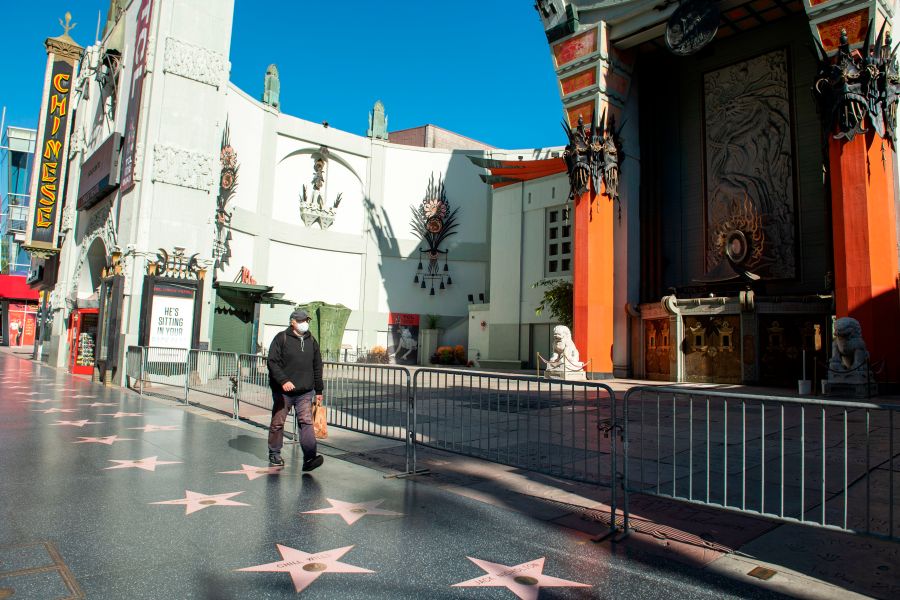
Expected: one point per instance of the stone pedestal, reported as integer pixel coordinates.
(565, 374)
(846, 389)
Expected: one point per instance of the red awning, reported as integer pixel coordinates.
(13, 287)
(507, 172)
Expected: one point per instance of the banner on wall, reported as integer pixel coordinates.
(138, 71)
(403, 338)
(22, 324)
(171, 317)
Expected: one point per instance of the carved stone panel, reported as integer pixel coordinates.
(195, 62)
(749, 164)
(185, 168)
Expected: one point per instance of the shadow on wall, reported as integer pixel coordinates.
(403, 295)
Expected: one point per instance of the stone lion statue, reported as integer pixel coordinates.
(848, 352)
(565, 354)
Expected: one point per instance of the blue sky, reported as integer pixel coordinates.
(482, 69)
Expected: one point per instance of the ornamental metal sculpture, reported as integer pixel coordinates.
(176, 265)
(434, 222)
(692, 26)
(593, 156)
(228, 180)
(859, 85)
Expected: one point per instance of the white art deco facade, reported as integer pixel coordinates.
(170, 250)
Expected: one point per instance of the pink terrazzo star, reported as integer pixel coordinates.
(147, 464)
(81, 423)
(352, 512)
(194, 501)
(524, 580)
(29, 393)
(83, 396)
(95, 404)
(149, 428)
(306, 568)
(254, 472)
(48, 411)
(120, 414)
(35, 401)
(109, 440)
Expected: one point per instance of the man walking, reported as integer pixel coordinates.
(295, 375)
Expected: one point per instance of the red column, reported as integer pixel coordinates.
(865, 244)
(593, 281)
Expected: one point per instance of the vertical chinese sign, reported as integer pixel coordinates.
(138, 71)
(48, 178)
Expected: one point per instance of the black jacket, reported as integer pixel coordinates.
(296, 359)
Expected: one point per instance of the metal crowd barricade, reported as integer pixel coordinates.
(214, 374)
(556, 427)
(134, 368)
(818, 462)
(253, 381)
(164, 372)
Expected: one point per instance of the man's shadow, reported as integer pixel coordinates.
(250, 445)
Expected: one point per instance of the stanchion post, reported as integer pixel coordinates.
(141, 380)
(187, 370)
(235, 387)
(411, 424)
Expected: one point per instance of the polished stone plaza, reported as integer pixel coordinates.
(110, 495)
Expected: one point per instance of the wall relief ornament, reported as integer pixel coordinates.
(749, 171)
(176, 265)
(433, 221)
(195, 62)
(312, 207)
(100, 226)
(181, 167)
(858, 86)
(593, 156)
(228, 181)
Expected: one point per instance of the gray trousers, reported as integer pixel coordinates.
(281, 404)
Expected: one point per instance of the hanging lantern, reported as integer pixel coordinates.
(442, 285)
(416, 278)
(432, 292)
(449, 280)
(423, 283)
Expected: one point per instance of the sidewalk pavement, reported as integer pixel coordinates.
(795, 560)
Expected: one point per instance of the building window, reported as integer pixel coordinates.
(558, 248)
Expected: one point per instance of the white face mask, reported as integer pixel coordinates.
(302, 327)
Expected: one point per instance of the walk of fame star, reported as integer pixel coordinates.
(194, 501)
(48, 411)
(353, 512)
(95, 404)
(120, 414)
(524, 580)
(306, 568)
(149, 428)
(108, 440)
(82, 396)
(35, 401)
(254, 472)
(147, 464)
(80, 423)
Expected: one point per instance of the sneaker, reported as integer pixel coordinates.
(275, 459)
(313, 463)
